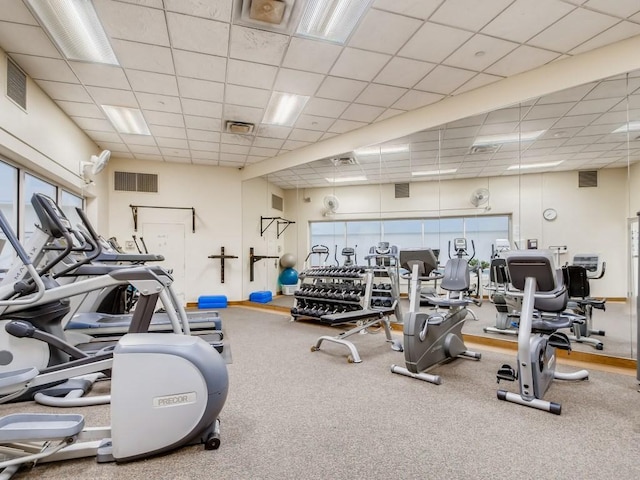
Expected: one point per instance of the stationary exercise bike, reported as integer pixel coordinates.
(535, 278)
(433, 338)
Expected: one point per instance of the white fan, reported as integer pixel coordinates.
(331, 204)
(479, 197)
(97, 164)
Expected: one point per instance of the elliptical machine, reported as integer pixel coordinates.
(433, 338)
(533, 274)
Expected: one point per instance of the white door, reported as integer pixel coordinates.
(168, 240)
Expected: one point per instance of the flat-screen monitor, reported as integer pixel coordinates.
(424, 257)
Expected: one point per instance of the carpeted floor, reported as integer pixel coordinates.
(294, 414)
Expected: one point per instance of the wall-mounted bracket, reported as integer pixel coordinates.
(134, 212)
(222, 258)
(256, 258)
(279, 220)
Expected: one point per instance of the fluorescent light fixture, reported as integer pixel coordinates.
(331, 20)
(346, 179)
(628, 127)
(527, 166)
(381, 150)
(126, 120)
(75, 28)
(434, 172)
(284, 109)
(507, 138)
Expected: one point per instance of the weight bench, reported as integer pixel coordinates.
(364, 319)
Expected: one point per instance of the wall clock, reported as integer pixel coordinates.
(550, 214)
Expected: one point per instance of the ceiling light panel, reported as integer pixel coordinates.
(434, 172)
(346, 179)
(529, 166)
(284, 109)
(331, 20)
(127, 120)
(507, 138)
(75, 28)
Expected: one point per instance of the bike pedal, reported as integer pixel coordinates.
(506, 372)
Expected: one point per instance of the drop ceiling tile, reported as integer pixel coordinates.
(295, 81)
(575, 121)
(411, 8)
(304, 135)
(164, 118)
(311, 55)
(198, 34)
(65, 91)
(342, 126)
(621, 31)
(442, 41)
(132, 22)
(566, 150)
(524, 19)
(240, 113)
(92, 74)
(597, 129)
(265, 152)
(362, 113)
(201, 89)
(231, 164)
(236, 159)
(593, 106)
(614, 89)
(586, 140)
(213, 9)
(340, 89)
(324, 107)
(414, 99)
(479, 52)
(231, 148)
(251, 74)
(313, 122)
(388, 113)
(403, 72)
(444, 80)
(273, 131)
(144, 150)
(380, 95)
(618, 118)
(199, 65)
(104, 136)
(114, 147)
(468, 14)
(236, 139)
(570, 31)
(553, 110)
(268, 142)
(161, 103)
(201, 108)
(245, 40)
(536, 125)
(171, 143)
(41, 68)
(15, 11)
(149, 157)
(151, 58)
(26, 39)
(146, 140)
(169, 132)
(174, 159)
(383, 32)
(619, 8)
(150, 82)
(247, 96)
(204, 146)
(359, 64)
(569, 95)
(203, 136)
(97, 124)
(294, 145)
(521, 59)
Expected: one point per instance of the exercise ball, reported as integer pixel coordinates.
(288, 260)
(288, 277)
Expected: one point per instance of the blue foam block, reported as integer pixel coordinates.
(212, 301)
(260, 297)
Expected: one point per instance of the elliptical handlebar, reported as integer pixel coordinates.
(461, 248)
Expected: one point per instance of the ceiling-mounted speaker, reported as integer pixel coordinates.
(270, 11)
(240, 128)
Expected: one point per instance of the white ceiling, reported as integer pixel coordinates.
(190, 68)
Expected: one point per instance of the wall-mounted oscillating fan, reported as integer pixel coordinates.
(95, 165)
(331, 204)
(479, 197)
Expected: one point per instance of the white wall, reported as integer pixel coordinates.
(589, 219)
(216, 195)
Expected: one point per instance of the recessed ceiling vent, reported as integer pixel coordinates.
(279, 16)
(344, 161)
(477, 149)
(239, 128)
(16, 84)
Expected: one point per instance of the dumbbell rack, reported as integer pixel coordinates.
(344, 295)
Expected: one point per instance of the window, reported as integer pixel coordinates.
(68, 204)
(9, 207)
(33, 185)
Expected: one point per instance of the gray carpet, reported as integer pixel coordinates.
(295, 414)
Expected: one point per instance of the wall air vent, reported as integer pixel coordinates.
(587, 178)
(344, 161)
(277, 202)
(16, 84)
(136, 182)
(402, 190)
(239, 128)
(280, 16)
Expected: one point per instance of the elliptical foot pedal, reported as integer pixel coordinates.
(506, 372)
